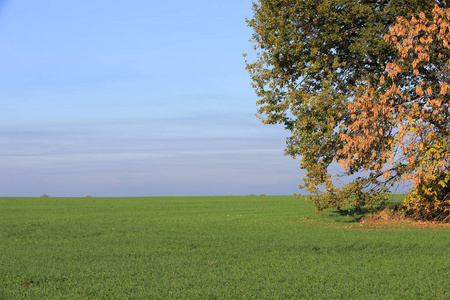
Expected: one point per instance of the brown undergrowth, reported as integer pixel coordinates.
(392, 219)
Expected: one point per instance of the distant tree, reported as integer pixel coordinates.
(320, 71)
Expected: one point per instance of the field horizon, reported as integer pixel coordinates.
(220, 247)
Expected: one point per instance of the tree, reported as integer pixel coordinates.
(321, 72)
(419, 150)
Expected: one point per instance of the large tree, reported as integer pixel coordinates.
(317, 61)
(419, 148)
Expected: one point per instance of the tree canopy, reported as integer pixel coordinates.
(363, 83)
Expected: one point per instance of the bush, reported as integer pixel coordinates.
(45, 196)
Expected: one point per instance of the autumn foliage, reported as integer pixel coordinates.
(365, 85)
(404, 132)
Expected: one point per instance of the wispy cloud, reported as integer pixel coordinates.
(127, 154)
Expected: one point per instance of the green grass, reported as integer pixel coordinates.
(264, 247)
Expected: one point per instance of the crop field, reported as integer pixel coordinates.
(260, 247)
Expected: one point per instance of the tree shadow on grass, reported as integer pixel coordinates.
(354, 215)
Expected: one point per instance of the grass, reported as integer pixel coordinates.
(272, 247)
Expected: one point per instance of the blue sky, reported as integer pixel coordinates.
(133, 98)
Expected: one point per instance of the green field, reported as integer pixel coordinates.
(263, 247)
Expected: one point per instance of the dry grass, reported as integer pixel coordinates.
(389, 218)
